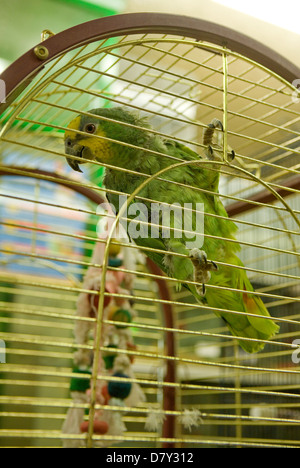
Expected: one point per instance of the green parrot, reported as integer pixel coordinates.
(123, 140)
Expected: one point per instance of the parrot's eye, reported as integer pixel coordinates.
(90, 128)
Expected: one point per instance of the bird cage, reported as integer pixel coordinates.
(99, 347)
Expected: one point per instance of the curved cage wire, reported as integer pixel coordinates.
(193, 384)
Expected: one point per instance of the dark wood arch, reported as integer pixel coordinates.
(18, 75)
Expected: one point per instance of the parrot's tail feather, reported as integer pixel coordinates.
(260, 323)
(253, 323)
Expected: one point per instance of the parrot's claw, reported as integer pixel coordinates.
(217, 153)
(231, 156)
(216, 123)
(202, 268)
(210, 152)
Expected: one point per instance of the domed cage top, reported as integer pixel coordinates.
(99, 347)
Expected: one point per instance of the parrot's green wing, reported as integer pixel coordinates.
(152, 247)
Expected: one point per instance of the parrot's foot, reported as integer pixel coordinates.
(202, 268)
(212, 154)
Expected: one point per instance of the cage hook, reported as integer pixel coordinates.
(46, 33)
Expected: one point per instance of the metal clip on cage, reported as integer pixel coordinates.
(200, 388)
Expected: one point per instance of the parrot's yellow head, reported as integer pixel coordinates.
(103, 136)
(85, 139)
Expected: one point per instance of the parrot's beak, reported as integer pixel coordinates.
(74, 164)
(74, 150)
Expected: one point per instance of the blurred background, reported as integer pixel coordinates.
(275, 24)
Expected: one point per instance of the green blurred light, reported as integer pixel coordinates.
(102, 7)
(110, 4)
(3, 64)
